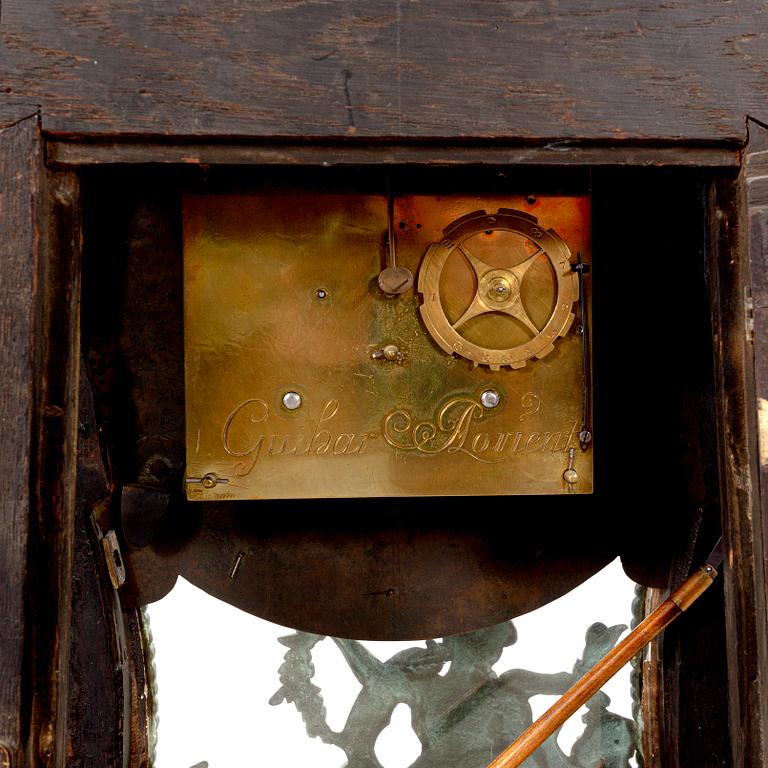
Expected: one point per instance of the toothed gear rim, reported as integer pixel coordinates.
(508, 282)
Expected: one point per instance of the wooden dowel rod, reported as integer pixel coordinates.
(585, 688)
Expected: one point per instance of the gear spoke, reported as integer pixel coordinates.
(473, 310)
(499, 287)
(520, 269)
(517, 310)
(479, 267)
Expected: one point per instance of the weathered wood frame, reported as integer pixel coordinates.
(41, 208)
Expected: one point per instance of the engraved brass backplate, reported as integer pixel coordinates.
(304, 379)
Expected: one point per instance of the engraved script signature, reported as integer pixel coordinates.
(454, 429)
(451, 431)
(239, 441)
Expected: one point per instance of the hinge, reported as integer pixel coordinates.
(114, 559)
(749, 314)
(109, 543)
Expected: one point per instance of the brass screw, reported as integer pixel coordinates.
(389, 352)
(490, 398)
(571, 476)
(292, 400)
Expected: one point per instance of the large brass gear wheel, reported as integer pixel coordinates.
(498, 289)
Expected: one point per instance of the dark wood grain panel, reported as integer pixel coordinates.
(756, 174)
(77, 153)
(19, 185)
(56, 368)
(13, 112)
(606, 70)
(695, 651)
(98, 699)
(745, 585)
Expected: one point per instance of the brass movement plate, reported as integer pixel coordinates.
(304, 379)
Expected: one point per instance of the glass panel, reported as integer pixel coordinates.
(236, 691)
